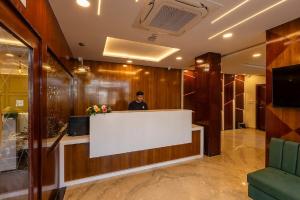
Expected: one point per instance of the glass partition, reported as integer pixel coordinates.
(59, 97)
(14, 158)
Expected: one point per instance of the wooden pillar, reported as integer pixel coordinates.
(208, 100)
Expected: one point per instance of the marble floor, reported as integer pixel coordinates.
(221, 177)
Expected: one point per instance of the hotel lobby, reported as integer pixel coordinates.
(149, 99)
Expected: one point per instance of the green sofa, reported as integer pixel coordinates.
(281, 180)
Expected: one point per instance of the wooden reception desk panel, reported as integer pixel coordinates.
(78, 164)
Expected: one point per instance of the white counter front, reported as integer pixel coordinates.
(129, 131)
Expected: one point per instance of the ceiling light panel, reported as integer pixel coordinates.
(128, 49)
(247, 19)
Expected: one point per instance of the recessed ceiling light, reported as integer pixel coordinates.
(10, 55)
(179, 58)
(247, 19)
(227, 35)
(199, 61)
(230, 11)
(129, 61)
(136, 1)
(256, 55)
(147, 73)
(125, 66)
(83, 3)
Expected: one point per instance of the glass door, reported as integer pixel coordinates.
(14, 121)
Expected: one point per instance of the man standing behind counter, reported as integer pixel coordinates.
(139, 103)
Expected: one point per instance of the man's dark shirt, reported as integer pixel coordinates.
(134, 105)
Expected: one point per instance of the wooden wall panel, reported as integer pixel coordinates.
(113, 84)
(228, 101)
(228, 116)
(10, 20)
(233, 100)
(283, 49)
(39, 18)
(239, 99)
(95, 166)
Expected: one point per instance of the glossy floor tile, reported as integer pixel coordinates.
(222, 177)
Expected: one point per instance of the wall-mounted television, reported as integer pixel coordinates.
(286, 86)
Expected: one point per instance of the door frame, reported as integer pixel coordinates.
(14, 23)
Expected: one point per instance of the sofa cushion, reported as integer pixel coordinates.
(289, 157)
(276, 183)
(275, 156)
(298, 165)
(257, 194)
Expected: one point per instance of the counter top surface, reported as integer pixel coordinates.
(69, 140)
(158, 110)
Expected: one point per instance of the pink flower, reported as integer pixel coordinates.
(104, 108)
(96, 108)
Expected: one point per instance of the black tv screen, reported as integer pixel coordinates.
(286, 86)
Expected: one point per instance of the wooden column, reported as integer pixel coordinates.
(206, 99)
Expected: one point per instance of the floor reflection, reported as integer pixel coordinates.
(220, 177)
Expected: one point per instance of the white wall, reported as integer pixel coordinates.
(250, 98)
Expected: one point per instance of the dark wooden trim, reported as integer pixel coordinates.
(12, 21)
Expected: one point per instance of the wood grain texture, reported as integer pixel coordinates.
(10, 21)
(261, 107)
(206, 100)
(42, 20)
(228, 101)
(113, 84)
(239, 99)
(79, 165)
(38, 20)
(283, 49)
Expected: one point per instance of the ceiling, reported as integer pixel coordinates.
(243, 62)
(118, 16)
(14, 55)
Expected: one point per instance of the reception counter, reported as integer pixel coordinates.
(130, 141)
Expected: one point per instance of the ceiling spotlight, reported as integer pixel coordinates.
(82, 68)
(179, 58)
(199, 61)
(136, 1)
(227, 35)
(147, 73)
(10, 55)
(125, 66)
(83, 3)
(256, 55)
(129, 61)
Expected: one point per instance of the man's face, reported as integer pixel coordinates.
(140, 98)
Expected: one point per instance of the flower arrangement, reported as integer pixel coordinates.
(97, 109)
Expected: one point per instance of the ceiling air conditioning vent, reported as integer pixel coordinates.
(171, 16)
